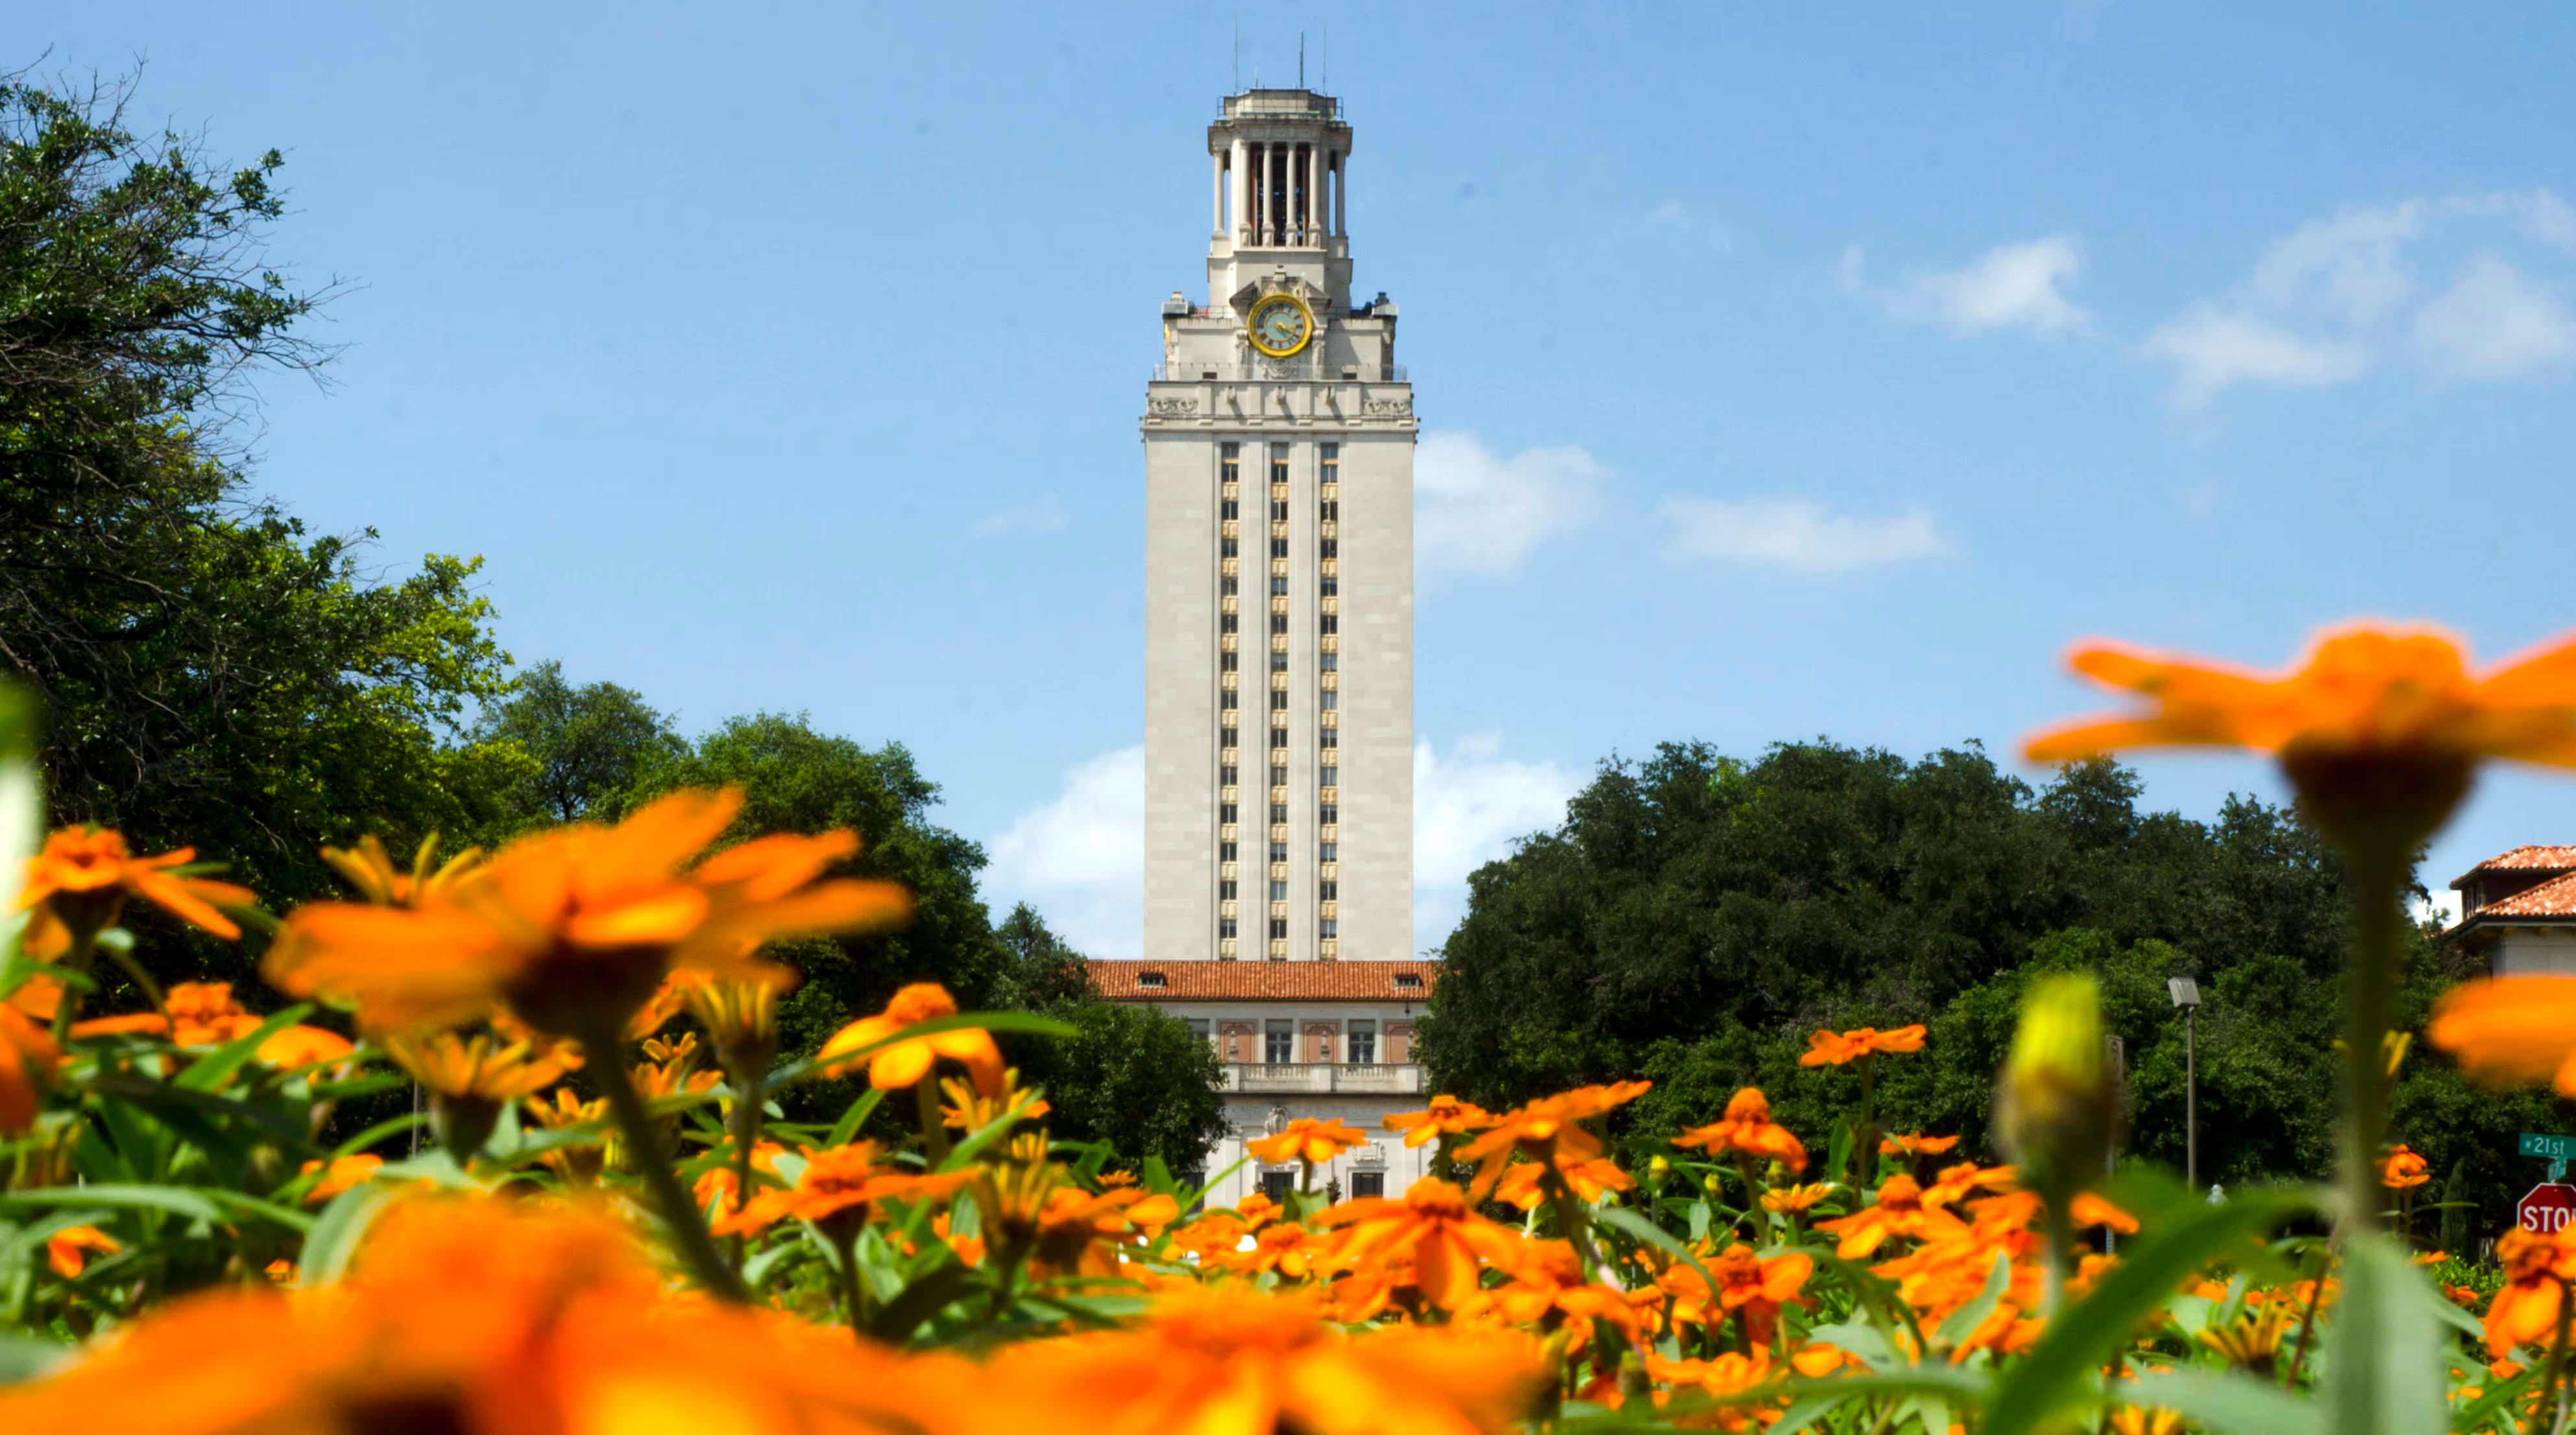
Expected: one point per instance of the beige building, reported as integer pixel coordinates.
(1311, 1039)
(2518, 910)
(1279, 440)
(1279, 437)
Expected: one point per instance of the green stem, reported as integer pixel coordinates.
(2376, 880)
(688, 1227)
(2555, 1368)
(746, 1135)
(853, 1297)
(84, 950)
(934, 1127)
(2061, 1239)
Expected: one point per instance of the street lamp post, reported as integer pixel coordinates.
(2186, 994)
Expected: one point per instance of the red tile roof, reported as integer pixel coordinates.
(2525, 859)
(1266, 981)
(2555, 898)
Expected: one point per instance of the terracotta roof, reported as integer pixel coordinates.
(2555, 898)
(2525, 859)
(1266, 981)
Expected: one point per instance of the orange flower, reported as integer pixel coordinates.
(2519, 1030)
(1830, 1048)
(838, 1188)
(1548, 1131)
(1916, 1145)
(963, 1108)
(574, 928)
(200, 1014)
(344, 1173)
(1228, 1361)
(1433, 1227)
(1724, 1375)
(906, 1062)
(297, 1047)
(1520, 1184)
(1957, 1183)
(84, 874)
(1305, 1139)
(1897, 1210)
(476, 1068)
(66, 1250)
(2361, 690)
(370, 869)
(1446, 1116)
(1747, 1128)
(2402, 1170)
(484, 1316)
(27, 1057)
(2380, 729)
(714, 1190)
(1071, 1230)
(1789, 1200)
(579, 1162)
(2525, 1310)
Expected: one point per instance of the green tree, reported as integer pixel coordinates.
(588, 746)
(1131, 1076)
(1697, 916)
(209, 674)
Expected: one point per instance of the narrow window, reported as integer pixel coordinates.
(1278, 1041)
(1225, 891)
(1331, 662)
(1225, 548)
(1277, 1184)
(1279, 547)
(1279, 812)
(1199, 1029)
(1324, 777)
(1225, 662)
(1332, 622)
(1324, 891)
(1279, 735)
(1327, 852)
(1324, 928)
(1359, 1042)
(1278, 698)
(1327, 813)
(1279, 586)
(1332, 587)
(1330, 548)
(1278, 891)
(1225, 812)
(1279, 624)
(1225, 926)
(1278, 929)
(1363, 1183)
(1225, 852)
(1331, 702)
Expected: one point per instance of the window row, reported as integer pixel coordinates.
(1351, 1042)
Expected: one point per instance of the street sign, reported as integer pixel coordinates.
(2546, 1209)
(2554, 1148)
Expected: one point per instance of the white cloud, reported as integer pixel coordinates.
(1796, 533)
(1080, 859)
(2494, 323)
(2441, 907)
(2326, 302)
(1043, 514)
(2012, 286)
(1475, 511)
(1468, 809)
(2212, 349)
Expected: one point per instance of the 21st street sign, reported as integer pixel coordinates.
(2547, 1209)
(2550, 1148)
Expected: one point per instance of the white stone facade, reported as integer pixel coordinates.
(1279, 529)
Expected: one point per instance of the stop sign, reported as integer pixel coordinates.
(2546, 1208)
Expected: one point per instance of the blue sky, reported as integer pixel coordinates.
(1780, 377)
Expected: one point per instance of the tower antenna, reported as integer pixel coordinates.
(1324, 61)
(1238, 54)
(1301, 59)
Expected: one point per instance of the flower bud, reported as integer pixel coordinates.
(1659, 1168)
(2058, 1102)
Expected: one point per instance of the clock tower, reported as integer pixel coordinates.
(1279, 438)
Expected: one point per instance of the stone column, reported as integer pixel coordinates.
(1263, 231)
(1216, 193)
(1314, 194)
(1239, 180)
(1342, 195)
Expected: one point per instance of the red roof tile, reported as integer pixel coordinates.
(2525, 859)
(1266, 981)
(2553, 898)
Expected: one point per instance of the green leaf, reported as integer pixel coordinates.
(176, 1200)
(335, 1235)
(2227, 1402)
(24, 1357)
(1637, 1227)
(1964, 1321)
(895, 1322)
(2081, 1338)
(2383, 1347)
(851, 1120)
(211, 1071)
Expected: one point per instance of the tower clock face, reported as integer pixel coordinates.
(1280, 325)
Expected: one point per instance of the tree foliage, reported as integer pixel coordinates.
(209, 673)
(1697, 916)
(587, 747)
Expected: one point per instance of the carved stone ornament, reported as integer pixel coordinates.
(1175, 408)
(1388, 408)
(1277, 1123)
